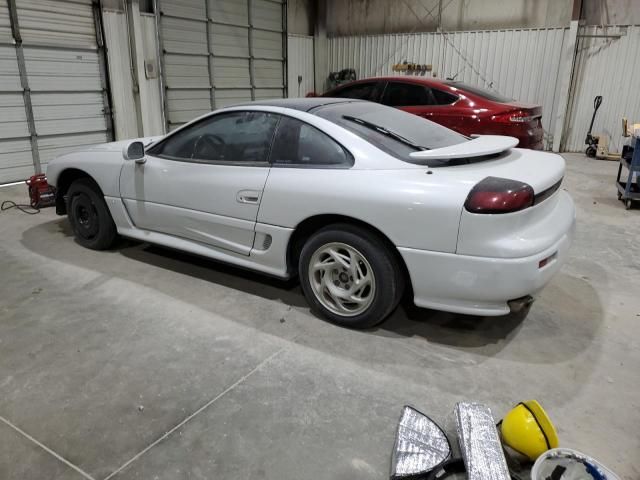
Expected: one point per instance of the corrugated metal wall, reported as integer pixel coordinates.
(15, 149)
(300, 65)
(65, 75)
(522, 64)
(609, 67)
(120, 74)
(219, 52)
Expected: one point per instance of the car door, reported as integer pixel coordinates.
(204, 182)
(444, 112)
(423, 101)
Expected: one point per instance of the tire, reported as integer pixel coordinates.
(590, 152)
(89, 216)
(347, 253)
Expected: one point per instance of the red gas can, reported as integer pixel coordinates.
(40, 192)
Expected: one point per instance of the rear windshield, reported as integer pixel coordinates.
(481, 92)
(399, 133)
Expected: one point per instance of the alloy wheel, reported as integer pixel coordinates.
(342, 279)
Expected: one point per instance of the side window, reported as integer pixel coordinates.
(227, 137)
(301, 145)
(360, 91)
(443, 98)
(407, 94)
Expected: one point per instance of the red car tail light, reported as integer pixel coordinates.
(499, 195)
(515, 116)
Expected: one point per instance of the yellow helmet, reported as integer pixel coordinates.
(528, 430)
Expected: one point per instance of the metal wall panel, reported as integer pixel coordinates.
(220, 52)
(16, 162)
(9, 76)
(183, 35)
(229, 11)
(57, 22)
(59, 88)
(51, 147)
(267, 15)
(186, 62)
(268, 44)
(522, 64)
(5, 25)
(232, 96)
(186, 71)
(15, 149)
(62, 69)
(232, 73)
(609, 67)
(230, 41)
(269, 74)
(66, 94)
(185, 105)
(13, 119)
(300, 64)
(67, 113)
(195, 9)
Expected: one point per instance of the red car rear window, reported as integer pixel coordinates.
(480, 92)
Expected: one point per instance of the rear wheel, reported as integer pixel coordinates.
(350, 276)
(89, 216)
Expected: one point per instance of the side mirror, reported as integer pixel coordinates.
(134, 150)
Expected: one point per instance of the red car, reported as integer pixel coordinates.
(466, 109)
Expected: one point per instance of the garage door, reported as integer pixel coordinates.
(52, 72)
(220, 52)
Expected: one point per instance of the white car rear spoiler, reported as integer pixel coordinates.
(478, 147)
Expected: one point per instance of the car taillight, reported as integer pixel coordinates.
(515, 116)
(499, 195)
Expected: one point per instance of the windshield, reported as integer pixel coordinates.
(395, 132)
(480, 92)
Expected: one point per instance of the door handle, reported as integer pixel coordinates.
(251, 197)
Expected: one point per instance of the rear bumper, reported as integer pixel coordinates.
(481, 285)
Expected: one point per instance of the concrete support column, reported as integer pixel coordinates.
(146, 126)
(566, 73)
(321, 47)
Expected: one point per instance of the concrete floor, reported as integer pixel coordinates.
(146, 363)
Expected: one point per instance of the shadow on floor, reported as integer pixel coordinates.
(483, 335)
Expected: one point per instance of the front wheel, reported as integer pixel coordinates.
(350, 276)
(89, 215)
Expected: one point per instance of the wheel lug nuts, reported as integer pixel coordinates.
(336, 283)
(347, 286)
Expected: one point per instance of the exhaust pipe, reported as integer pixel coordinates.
(517, 305)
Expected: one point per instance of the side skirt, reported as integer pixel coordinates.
(270, 261)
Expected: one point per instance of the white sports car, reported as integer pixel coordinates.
(360, 200)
